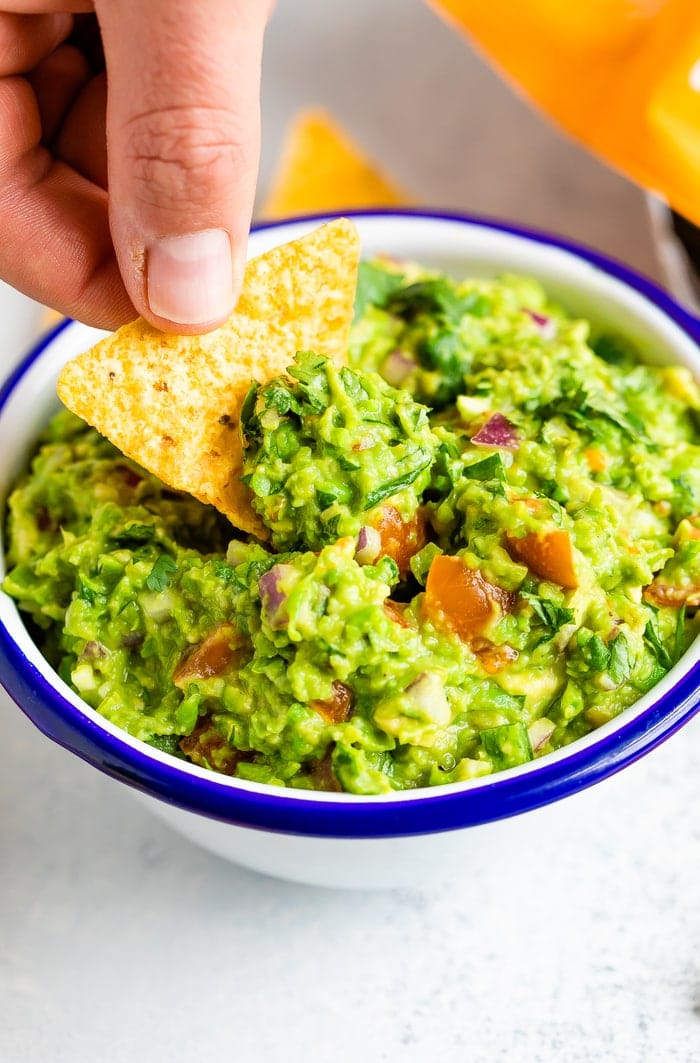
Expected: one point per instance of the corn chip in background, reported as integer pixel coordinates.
(320, 168)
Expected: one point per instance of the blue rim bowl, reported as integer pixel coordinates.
(62, 716)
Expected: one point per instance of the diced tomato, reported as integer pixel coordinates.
(208, 748)
(397, 612)
(548, 554)
(463, 597)
(337, 708)
(322, 775)
(401, 539)
(220, 649)
(597, 460)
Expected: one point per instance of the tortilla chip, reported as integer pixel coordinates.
(172, 403)
(322, 169)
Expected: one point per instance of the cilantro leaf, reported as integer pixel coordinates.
(552, 616)
(309, 370)
(651, 637)
(445, 354)
(614, 349)
(167, 744)
(620, 665)
(246, 425)
(596, 653)
(373, 498)
(679, 634)
(159, 576)
(129, 534)
(491, 468)
(375, 285)
(580, 408)
(437, 296)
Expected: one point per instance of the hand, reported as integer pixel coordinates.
(137, 200)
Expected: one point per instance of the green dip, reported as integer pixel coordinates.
(484, 543)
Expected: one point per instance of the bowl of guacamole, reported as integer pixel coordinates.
(480, 584)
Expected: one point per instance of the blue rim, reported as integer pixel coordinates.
(437, 810)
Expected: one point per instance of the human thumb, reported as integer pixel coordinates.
(183, 139)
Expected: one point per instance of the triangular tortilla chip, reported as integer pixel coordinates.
(172, 403)
(322, 169)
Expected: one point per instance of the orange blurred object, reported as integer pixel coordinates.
(597, 461)
(623, 76)
(462, 597)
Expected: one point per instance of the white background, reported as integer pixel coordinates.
(580, 941)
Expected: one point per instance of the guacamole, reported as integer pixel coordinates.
(484, 542)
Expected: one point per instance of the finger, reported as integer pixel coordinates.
(82, 140)
(183, 134)
(56, 81)
(41, 7)
(56, 244)
(26, 39)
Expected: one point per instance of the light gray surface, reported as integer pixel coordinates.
(119, 941)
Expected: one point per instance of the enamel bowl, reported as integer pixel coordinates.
(341, 839)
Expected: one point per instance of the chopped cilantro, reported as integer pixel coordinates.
(651, 637)
(581, 408)
(620, 665)
(375, 285)
(437, 296)
(507, 745)
(159, 576)
(679, 634)
(168, 744)
(596, 653)
(445, 355)
(132, 533)
(374, 497)
(223, 570)
(552, 616)
(491, 468)
(614, 349)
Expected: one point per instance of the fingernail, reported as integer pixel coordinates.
(190, 277)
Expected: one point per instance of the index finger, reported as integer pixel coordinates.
(47, 7)
(56, 244)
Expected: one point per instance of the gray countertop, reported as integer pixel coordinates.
(121, 941)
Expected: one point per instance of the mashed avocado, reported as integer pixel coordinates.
(484, 543)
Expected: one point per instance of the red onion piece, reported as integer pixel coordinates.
(369, 545)
(96, 649)
(498, 432)
(540, 733)
(272, 597)
(546, 325)
(397, 367)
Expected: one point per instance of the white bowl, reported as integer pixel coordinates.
(342, 839)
